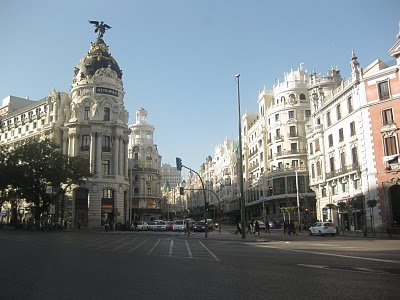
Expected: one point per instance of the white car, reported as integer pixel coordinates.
(179, 225)
(152, 225)
(161, 226)
(142, 225)
(323, 228)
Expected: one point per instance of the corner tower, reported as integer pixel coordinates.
(96, 129)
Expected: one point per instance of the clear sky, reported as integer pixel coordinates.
(179, 58)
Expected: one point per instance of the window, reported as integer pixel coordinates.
(313, 171)
(276, 117)
(345, 187)
(302, 97)
(307, 113)
(338, 112)
(293, 148)
(383, 90)
(279, 150)
(330, 140)
(291, 114)
(106, 167)
(342, 159)
(323, 192)
(317, 145)
(86, 113)
(354, 156)
(350, 104)
(390, 145)
(334, 190)
(319, 170)
(332, 163)
(311, 149)
(341, 136)
(106, 114)
(387, 117)
(278, 134)
(352, 129)
(328, 118)
(292, 131)
(85, 143)
(106, 145)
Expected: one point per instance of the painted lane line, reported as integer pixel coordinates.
(171, 245)
(336, 255)
(188, 249)
(123, 245)
(209, 251)
(138, 245)
(112, 243)
(154, 247)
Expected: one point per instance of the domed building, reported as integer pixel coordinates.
(91, 122)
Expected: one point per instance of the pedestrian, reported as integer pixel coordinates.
(285, 227)
(267, 227)
(238, 230)
(188, 228)
(256, 228)
(296, 227)
(135, 225)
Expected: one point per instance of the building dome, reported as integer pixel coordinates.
(97, 58)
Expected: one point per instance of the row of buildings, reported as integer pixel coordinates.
(319, 147)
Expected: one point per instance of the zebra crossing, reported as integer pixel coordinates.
(168, 246)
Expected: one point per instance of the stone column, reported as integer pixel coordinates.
(98, 153)
(116, 155)
(92, 152)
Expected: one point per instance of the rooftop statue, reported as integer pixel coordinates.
(101, 27)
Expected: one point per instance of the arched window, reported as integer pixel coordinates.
(302, 96)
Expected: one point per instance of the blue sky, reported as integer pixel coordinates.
(179, 58)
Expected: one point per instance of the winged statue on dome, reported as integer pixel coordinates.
(101, 27)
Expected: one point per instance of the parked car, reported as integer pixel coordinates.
(179, 225)
(199, 226)
(274, 225)
(161, 226)
(142, 225)
(261, 224)
(323, 228)
(152, 225)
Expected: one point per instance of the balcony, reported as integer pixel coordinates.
(85, 148)
(106, 149)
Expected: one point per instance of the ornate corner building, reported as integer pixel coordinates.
(92, 123)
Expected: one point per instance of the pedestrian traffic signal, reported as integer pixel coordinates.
(207, 204)
(270, 191)
(179, 164)
(306, 211)
(181, 190)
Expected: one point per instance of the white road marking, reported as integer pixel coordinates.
(123, 245)
(171, 245)
(154, 247)
(188, 249)
(138, 245)
(336, 255)
(112, 243)
(209, 251)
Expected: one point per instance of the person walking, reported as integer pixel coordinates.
(296, 227)
(238, 228)
(256, 228)
(187, 228)
(267, 227)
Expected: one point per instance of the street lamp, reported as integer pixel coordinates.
(240, 163)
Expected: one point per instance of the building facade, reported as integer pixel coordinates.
(91, 122)
(145, 167)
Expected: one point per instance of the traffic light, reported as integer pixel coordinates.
(306, 211)
(181, 190)
(270, 191)
(179, 164)
(207, 204)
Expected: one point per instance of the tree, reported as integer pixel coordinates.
(331, 207)
(39, 165)
(371, 204)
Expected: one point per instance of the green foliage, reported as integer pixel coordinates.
(35, 165)
(372, 203)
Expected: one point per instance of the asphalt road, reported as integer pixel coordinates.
(152, 265)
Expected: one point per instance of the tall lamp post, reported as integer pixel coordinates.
(240, 163)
